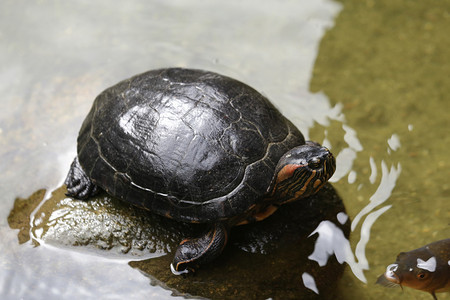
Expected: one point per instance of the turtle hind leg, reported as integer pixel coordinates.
(194, 252)
(79, 185)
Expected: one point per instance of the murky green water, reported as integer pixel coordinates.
(385, 62)
(376, 94)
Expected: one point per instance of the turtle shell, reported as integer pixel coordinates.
(189, 144)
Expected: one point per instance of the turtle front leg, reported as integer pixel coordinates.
(79, 185)
(194, 252)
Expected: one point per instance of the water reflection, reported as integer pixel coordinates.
(383, 192)
(357, 259)
(346, 159)
(332, 241)
(394, 142)
(309, 282)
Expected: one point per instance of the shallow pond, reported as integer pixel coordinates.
(368, 79)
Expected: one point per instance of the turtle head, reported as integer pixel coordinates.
(301, 172)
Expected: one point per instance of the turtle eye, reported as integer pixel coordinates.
(315, 163)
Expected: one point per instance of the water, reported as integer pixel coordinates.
(376, 96)
(384, 63)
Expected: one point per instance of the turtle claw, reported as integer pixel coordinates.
(194, 252)
(78, 183)
(175, 272)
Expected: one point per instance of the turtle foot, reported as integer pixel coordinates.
(194, 252)
(78, 183)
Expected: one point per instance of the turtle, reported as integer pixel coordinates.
(197, 147)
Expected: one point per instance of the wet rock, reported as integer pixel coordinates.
(267, 259)
(101, 223)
